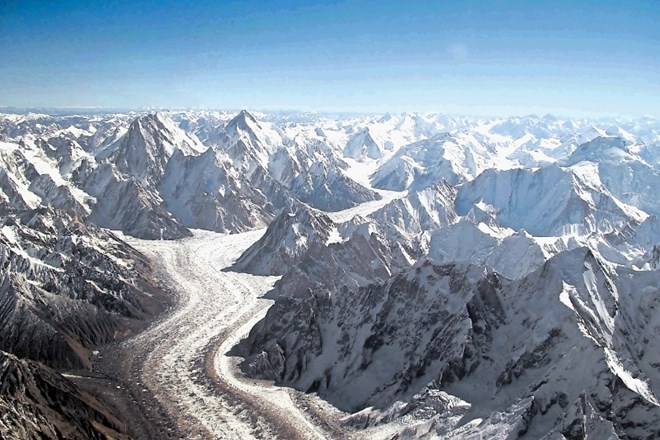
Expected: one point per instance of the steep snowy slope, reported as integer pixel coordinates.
(326, 257)
(207, 125)
(623, 173)
(206, 192)
(512, 256)
(310, 170)
(93, 132)
(146, 147)
(327, 188)
(286, 242)
(131, 192)
(60, 173)
(455, 157)
(651, 153)
(32, 176)
(249, 143)
(496, 344)
(125, 176)
(548, 201)
(29, 178)
(363, 146)
(522, 250)
(425, 210)
(252, 174)
(316, 175)
(446, 325)
(124, 204)
(65, 154)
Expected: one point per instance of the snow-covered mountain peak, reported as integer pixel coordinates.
(259, 133)
(243, 121)
(513, 253)
(385, 118)
(616, 131)
(362, 146)
(625, 174)
(146, 147)
(420, 211)
(250, 143)
(160, 129)
(602, 148)
(549, 201)
(287, 239)
(454, 156)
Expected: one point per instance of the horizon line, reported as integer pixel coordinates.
(73, 110)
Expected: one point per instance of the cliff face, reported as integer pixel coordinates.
(498, 345)
(66, 287)
(37, 403)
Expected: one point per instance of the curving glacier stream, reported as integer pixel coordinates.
(186, 368)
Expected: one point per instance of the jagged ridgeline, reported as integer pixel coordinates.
(440, 276)
(36, 402)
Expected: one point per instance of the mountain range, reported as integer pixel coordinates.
(495, 276)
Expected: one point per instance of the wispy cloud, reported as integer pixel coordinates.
(458, 51)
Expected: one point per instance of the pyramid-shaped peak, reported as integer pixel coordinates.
(151, 121)
(157, 125)
(362, 145)
(243, 121)
(244, 115)
(286, 242)
(156, 116)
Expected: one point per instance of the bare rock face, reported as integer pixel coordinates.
(36, 402)
(465, 330)
(66, 287)
(325, 187)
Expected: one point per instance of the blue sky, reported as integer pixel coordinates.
(472, 57)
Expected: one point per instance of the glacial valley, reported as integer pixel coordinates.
(215, 274)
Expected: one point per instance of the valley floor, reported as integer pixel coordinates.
(181, 360)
